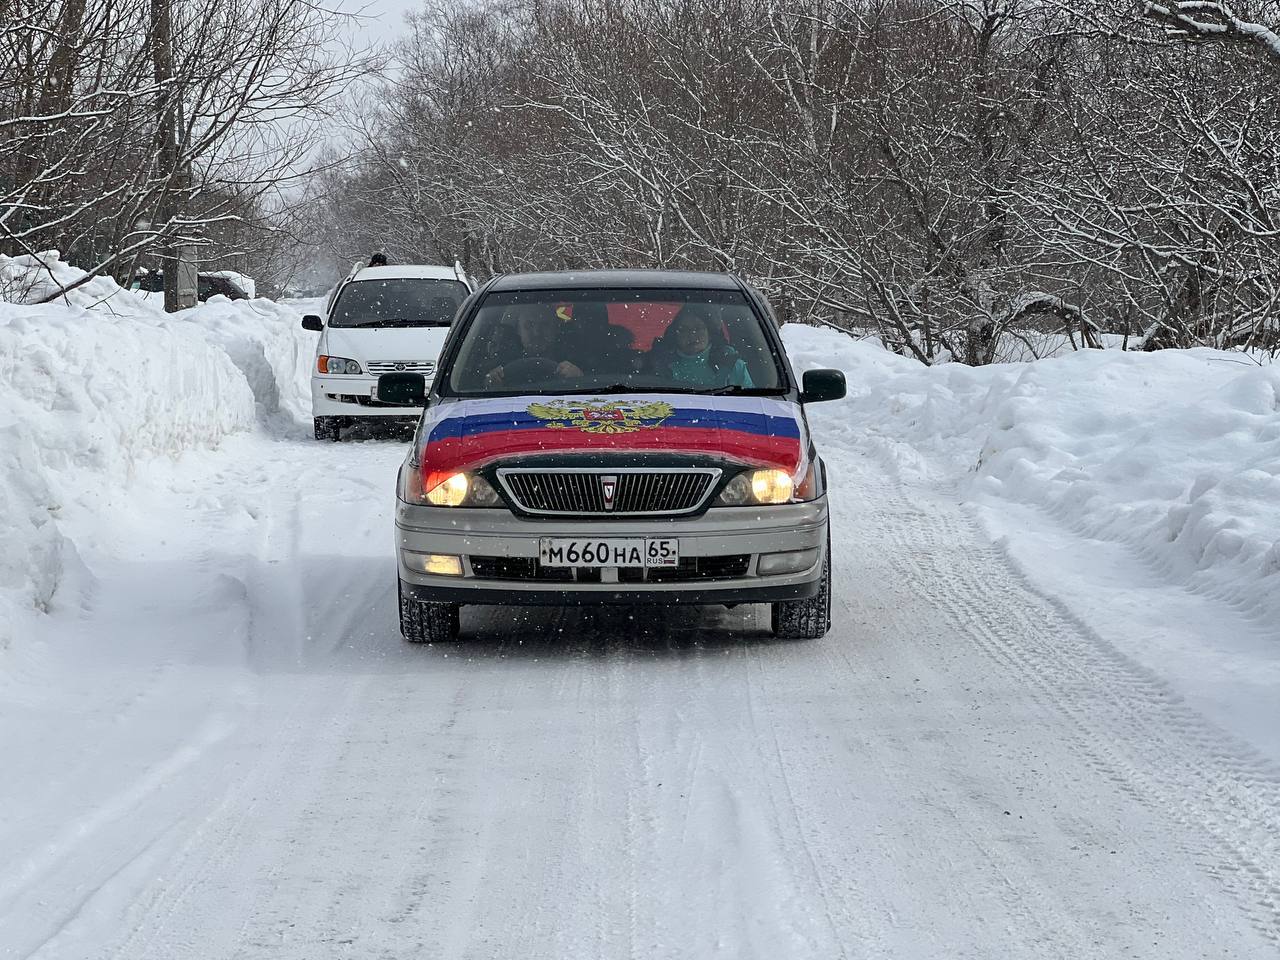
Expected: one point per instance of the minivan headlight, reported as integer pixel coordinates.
(339, 365)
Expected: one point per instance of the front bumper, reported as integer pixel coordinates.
(353, 397)
(720, 533)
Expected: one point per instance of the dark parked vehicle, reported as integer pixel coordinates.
(208, 285)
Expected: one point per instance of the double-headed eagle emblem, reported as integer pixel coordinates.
(601, 416)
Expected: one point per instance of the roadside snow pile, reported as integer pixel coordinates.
(1175, 454)
(267, 343)
(91, 387)
(31, 280)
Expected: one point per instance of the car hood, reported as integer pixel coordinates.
(385, 344)
(753, 431)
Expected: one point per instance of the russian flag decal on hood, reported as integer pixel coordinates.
(753, 431)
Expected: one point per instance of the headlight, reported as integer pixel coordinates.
(771, 486)
(755, 487)
(446, 489)
(451, 491)
(340, 365)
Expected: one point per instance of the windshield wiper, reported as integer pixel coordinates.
(682, 389)
(616, 388)
(390, 322)
(732, 389)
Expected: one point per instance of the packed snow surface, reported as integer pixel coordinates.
(1044, 724)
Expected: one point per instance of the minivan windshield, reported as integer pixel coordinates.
(398, 302)
(615, 341)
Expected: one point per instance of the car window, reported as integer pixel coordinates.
(616, 340)
(398, 302)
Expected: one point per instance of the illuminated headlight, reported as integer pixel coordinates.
(769, 486)
(446, 490)
(758, 487)
(450, 492)
(337, 365)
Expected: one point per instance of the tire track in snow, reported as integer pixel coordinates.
(769, 732)
(216, 845)
(1125, 723)
(110, 814)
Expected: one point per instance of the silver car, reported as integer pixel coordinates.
(613, 437)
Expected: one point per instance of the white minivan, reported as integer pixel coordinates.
(385, 319)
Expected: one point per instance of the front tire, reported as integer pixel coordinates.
(422, 621)
(805, 619)
(328, 428)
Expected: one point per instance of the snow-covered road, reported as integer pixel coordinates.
(249, 763)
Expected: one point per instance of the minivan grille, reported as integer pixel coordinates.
(585, 491)
(424, 367)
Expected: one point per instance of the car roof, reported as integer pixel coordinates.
(592, 279)
(406, 271)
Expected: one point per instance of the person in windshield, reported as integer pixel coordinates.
(694, 353)
(539, 339)
(605, 348)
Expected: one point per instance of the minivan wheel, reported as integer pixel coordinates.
(422, 621)
(805, 619)
(327, 428)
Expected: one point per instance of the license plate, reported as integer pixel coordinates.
(609, 552)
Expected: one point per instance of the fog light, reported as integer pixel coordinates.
(438, 564)
(793, 561)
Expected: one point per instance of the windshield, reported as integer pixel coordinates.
(615, 341)
(399, 302)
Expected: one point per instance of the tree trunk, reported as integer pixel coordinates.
(166, 140)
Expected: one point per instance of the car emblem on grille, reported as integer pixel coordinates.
(399, 366)
(609, 487)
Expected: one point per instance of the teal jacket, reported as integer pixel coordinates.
(727, 369)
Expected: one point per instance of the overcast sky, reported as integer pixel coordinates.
(383, 20)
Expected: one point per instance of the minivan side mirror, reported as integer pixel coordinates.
(402, 389)
(312, 322)
(820, 385)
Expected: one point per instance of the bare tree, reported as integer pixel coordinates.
(949, 173)
(128, 127)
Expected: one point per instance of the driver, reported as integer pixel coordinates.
(539, 340)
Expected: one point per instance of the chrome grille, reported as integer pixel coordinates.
(424, 367)
(582, 491)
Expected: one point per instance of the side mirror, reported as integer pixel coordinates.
(402, 389)
(312, 322)
(820, 385)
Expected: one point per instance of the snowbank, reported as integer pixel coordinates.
(267, 344)
(100, 380)
(1175, 454)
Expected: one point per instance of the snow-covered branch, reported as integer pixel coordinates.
(1207, 20)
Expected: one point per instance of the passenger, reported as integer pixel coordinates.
(540, 339)
(700, 357)
(605, 347)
